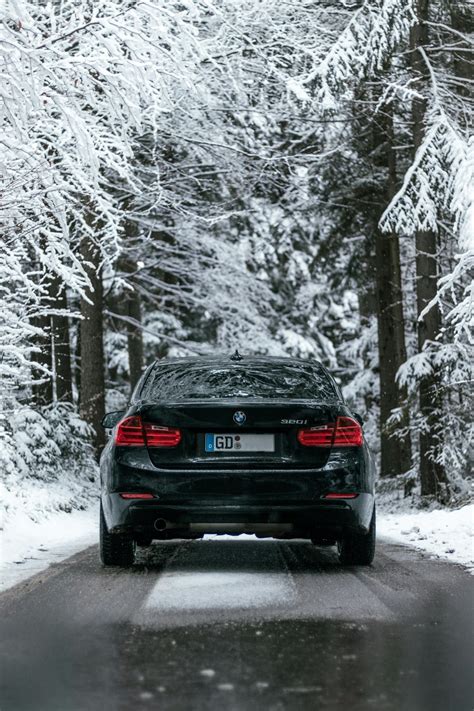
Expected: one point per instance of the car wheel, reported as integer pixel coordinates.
(358, 548)
(115, 548)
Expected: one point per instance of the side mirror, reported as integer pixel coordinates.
(109, 420)
(358, 418)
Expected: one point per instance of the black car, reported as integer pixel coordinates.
(239, 444)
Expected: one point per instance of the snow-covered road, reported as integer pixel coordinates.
(239, 624)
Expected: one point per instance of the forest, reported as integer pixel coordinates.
(188, 177)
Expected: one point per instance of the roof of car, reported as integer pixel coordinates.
(191, 365)
(229, 358)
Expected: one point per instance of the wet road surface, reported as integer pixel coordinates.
(240, 625)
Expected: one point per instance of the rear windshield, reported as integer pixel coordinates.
(179, 381)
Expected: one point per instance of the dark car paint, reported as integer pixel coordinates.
(193, 487)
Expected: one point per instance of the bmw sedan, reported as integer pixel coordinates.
(239, 444)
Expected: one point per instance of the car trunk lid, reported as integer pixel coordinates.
(194, 470)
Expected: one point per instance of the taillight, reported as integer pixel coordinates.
(159, 436)
(137, 496)
(346, 432)
(320, 436)
(133, 432)
(129, 432)
(340, 496)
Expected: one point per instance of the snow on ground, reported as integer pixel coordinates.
(442, 532)
(27, 547)
(46, 518)
(219, 590)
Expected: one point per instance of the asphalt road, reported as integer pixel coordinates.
(239, 624)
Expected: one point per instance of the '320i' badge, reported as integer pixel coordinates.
(239, 417)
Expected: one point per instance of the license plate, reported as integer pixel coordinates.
(240, 443)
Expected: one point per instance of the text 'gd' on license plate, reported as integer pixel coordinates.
(240, 443)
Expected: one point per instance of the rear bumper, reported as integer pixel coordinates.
(220, 499)
(301, 519)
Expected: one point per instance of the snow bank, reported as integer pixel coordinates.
(27, 547)
(443, 533)
(48, 488)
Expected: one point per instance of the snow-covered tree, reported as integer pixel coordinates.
(199, 176)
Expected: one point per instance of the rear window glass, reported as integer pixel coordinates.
(179, 381)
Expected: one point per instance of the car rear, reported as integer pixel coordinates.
(263, 446)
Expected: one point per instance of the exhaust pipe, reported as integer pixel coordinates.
(161, 524)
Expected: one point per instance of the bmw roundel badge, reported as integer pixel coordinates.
(239, 417)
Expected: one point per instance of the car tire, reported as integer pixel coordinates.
(115, 549)
(358, 548)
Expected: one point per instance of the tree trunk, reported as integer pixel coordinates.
(432, 474)
(133, 311)
(367, 310)
(62, 350)
(462, 20)
(77, 362)
(395, 453)
(42, 392)
(134, 339)
(92, 403)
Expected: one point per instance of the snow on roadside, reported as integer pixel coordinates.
(46, 516)
(442, 532)
(27, 547)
